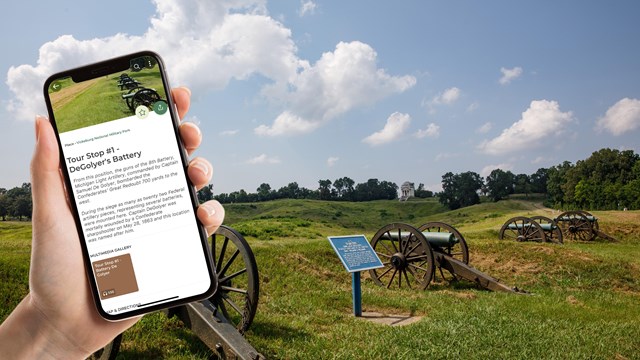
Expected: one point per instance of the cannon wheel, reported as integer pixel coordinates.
(522, 229)
(129, 99)
(555, 235)
(576, 225)
(459, 251)
(108, 352)
(409, 259)
(144, 97)
(238, 283)
(594, 223)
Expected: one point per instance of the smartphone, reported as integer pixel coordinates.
(124, 168)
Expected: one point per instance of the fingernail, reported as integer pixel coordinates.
(202, 167)
(209, 208)
(188, 90)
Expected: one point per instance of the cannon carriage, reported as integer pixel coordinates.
(411, 256)
(134, 94)
(535, 228)
(572, 225)
(220, 321)
(580, 225)
(127, 82)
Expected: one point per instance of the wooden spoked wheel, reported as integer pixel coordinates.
(238, 283)
(406, 255)
(522, 228)
(577, 225)
(457, 250)
(551, 229)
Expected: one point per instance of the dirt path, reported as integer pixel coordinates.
(65, 95)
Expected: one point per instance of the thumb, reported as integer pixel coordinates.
(46, 184)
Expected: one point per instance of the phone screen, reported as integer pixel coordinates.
(125, 174)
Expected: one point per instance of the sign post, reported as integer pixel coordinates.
(356, 254)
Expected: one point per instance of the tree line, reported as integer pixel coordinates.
(341, 189)
(607, 180)
(16, 203)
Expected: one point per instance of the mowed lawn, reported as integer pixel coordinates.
(585, 301)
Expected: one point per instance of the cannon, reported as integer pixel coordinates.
(221, 320)
(126, 81)
(411, 255)
(141, 96)
(580, 225)
(535, 228)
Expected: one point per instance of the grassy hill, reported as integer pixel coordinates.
(586, 301)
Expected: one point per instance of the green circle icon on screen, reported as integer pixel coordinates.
(160, 107)
(56, 86)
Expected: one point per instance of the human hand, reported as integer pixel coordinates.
(58, 318)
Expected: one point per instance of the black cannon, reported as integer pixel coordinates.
(410, 256)
(580, 225)
(535, 228)
(141, 96)
(221, 320)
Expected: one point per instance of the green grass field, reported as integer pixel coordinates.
(102, 101)
(586, 302)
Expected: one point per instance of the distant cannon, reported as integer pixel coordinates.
(580, 225)
(410, 256)
(535, 228)
(221, 320)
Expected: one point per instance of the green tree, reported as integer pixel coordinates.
(556, 183)
(4, 206)
(522, 184)
(264, 192)
(460, 190)
(324, 189)
(421, 192)
(499, 184)
(539, 181)
(205, 194)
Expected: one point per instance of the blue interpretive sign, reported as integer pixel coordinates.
(355, 252)
(356, 255)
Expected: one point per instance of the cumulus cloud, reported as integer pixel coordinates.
(509, 75)
(447, 97)
(622, 117)
(489, 168)
(332, 160)
(307, 7)
(540, 123)
(205, 44)
(263, 159)
(396, 124)
(484, 128)
(432, 131)
(340, 81)
(227, 39)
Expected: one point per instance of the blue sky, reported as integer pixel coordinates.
(307, 90)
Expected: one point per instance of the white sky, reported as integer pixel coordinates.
(309, 90)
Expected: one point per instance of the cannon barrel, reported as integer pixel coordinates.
(437, 239)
